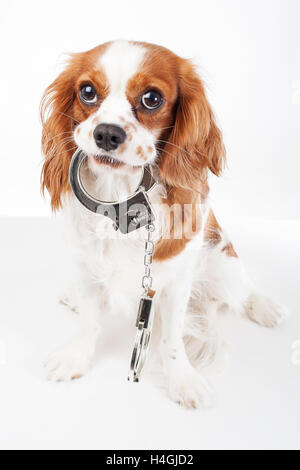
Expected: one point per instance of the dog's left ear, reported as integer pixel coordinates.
(195, 142)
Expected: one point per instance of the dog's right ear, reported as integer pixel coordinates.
(57, 135)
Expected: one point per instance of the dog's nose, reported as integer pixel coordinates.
(109, 136)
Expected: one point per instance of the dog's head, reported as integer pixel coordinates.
(127, 104)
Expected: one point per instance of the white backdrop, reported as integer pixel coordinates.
(248, 54)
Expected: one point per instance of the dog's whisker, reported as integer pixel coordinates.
(57, 135)
(168, 153)
(174, 145)
(67, 115)
(165, 128)
(60, 148)
(63, 141)
(186, 162)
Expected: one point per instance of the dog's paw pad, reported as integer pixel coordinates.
(66, 364)
(190, 390)
(265, 311)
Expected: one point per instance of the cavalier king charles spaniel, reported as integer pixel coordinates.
(129, 104)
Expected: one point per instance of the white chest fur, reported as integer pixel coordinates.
(114, 263)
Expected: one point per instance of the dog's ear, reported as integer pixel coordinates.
(195, 142)
(57, 135)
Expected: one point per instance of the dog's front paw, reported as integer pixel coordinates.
(265, 311)
(190, 390)
(67, 364)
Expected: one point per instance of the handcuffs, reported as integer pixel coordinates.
(128, 215)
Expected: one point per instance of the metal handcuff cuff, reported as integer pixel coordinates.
(128, 215)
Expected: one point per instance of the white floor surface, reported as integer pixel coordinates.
(258, 393)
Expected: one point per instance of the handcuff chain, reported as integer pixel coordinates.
(148, 258)
(145, 315)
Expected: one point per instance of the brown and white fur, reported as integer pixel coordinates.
(195, 273)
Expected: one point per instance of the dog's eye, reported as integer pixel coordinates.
(88, 94)
(152, 99)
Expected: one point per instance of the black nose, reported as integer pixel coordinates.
(109, 136)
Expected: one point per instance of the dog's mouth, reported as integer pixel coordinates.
(108, 160)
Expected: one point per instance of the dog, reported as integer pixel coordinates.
(128, 105)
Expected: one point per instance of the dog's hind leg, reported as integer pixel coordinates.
(229, 283)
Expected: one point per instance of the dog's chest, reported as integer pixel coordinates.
(119, 262)
(115, 263)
